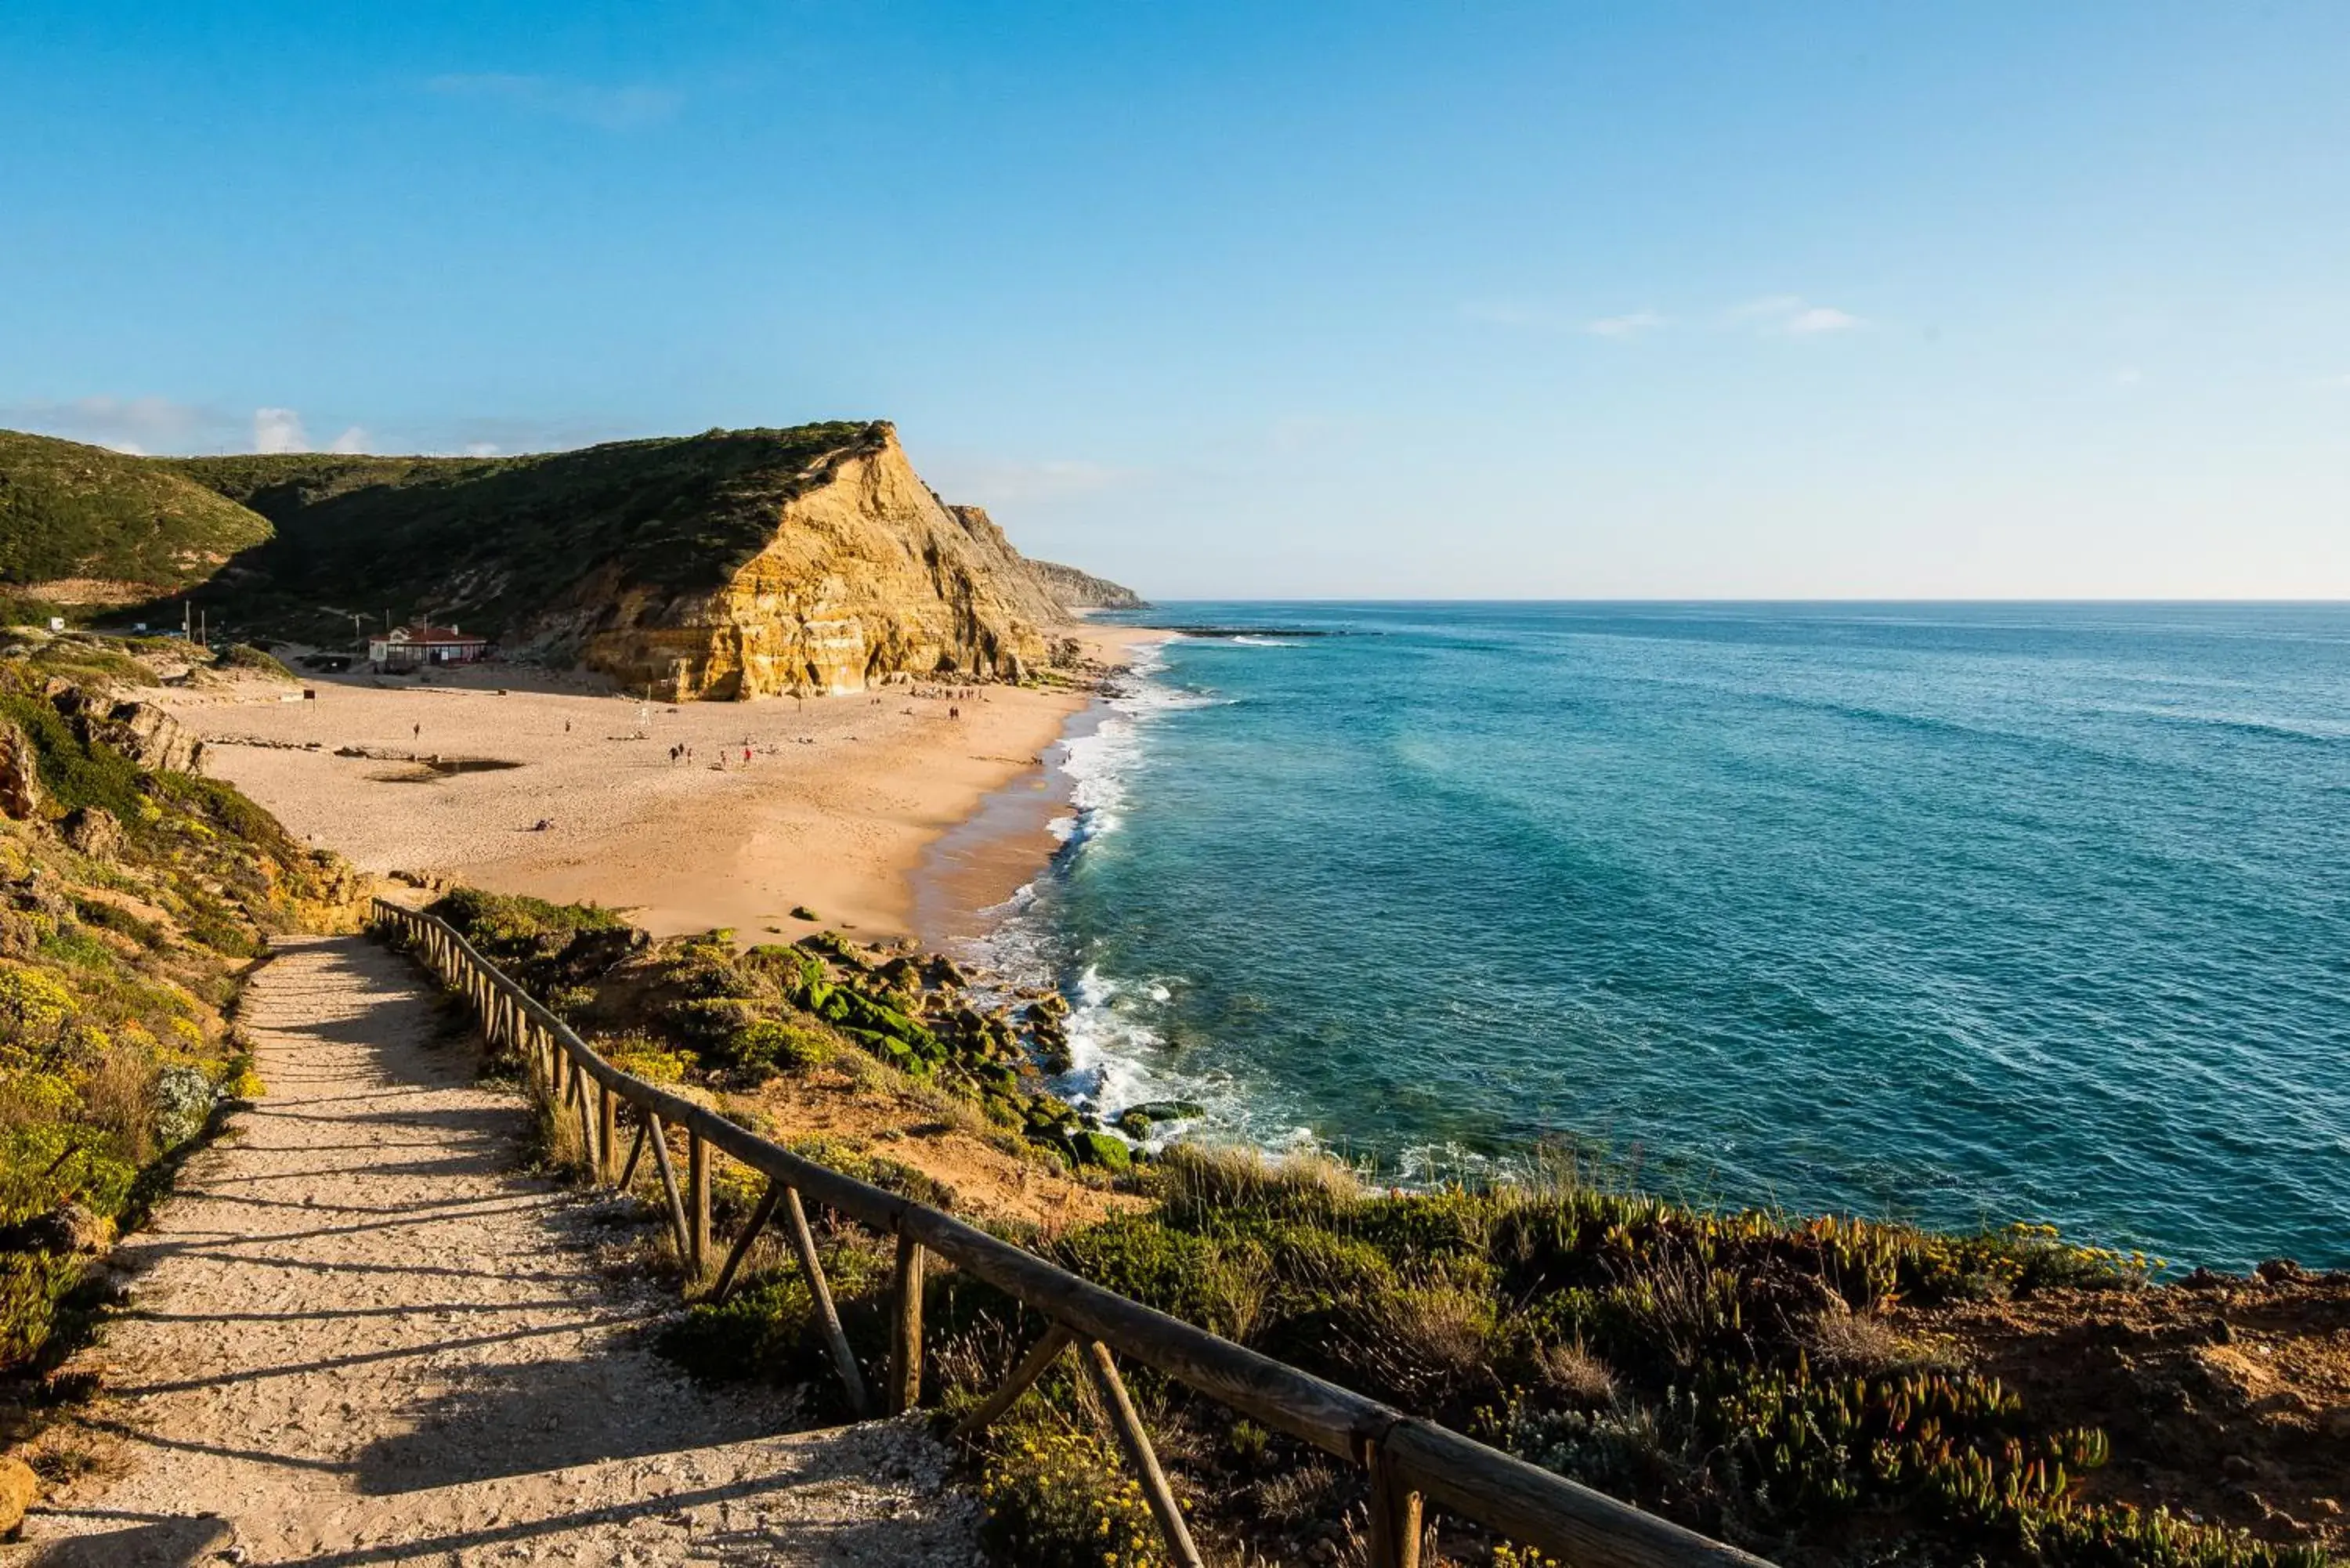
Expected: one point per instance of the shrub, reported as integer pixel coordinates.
(767, 1331)
(1220, 1287)
(31, 1284)
(769, 1042)
(183, 1099)
(74, 774)
(32, 1005)
(1061, 1500)
(244, 656)
(1198, 1187)
(1427, 1348)
(646, 1058)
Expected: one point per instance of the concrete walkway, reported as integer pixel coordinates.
(357, 1335)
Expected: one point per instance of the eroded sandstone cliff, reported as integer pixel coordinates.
(868, 577)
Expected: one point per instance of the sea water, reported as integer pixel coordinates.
(1956, 914)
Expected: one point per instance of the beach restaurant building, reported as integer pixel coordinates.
(409, 647)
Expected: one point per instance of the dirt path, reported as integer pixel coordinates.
(358, 1336)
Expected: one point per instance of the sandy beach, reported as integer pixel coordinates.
(832, 812)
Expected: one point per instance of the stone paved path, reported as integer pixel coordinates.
(357, 1335)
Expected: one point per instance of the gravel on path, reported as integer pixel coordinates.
(358, 1334)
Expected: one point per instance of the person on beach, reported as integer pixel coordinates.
(416, 731)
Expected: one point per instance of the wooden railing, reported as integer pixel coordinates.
(1409, 1460)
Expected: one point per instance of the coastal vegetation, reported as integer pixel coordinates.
(133, 895)
(1822, 1390)
(82, 525)
(729, 564)
(738, 1018)
(677, 514)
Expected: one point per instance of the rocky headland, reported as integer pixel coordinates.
(730, 565)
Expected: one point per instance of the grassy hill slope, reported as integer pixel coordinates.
(492, 540)
(82, 523)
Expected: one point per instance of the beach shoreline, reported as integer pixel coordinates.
(549, 784)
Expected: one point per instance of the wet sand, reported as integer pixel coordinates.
(833, 812)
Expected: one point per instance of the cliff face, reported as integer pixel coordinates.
(867, 576)
(1074, 589)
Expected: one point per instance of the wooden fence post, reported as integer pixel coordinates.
(741, 1249)
(592, 1155)
(827, 1314)
(697, 1206)
(906, 1329)
(669, 1181)
(636, 1149)
(1135, 1441)
(1396, 1514)
(608, 1109)
(1031, 1366)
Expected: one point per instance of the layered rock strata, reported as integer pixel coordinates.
(870, 578)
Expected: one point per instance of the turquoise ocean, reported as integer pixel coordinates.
(1958, 914)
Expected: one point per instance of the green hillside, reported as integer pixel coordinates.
(74, 512)
(487, 541)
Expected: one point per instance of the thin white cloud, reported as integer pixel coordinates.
(630, 107)
(2332, 383)
(481, 449)
(134, 425)
(2128, 376)
(1543, 317)
(278, 431)
(1820, 319)
(1792, 315)
(352, 441)
(1627, 325)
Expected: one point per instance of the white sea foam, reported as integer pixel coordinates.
(1117, 1059)
(1100, 764)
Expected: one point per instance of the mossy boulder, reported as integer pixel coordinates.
(1101, 1148)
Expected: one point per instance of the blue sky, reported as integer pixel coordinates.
(1664, 300)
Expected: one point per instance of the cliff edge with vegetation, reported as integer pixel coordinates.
(134, 894)
(733, 563)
